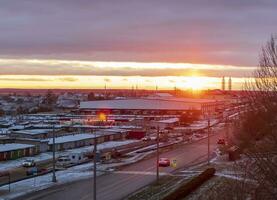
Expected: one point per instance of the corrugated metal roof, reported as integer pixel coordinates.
(14, 146)
(141, 104)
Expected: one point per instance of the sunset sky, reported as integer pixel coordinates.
(123, 43)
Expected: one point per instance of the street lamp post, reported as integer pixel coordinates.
(206, 112)
(54, 179)
(94, 166)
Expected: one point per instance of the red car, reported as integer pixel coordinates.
(164, 162)
(221, 141)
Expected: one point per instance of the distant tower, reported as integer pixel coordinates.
(133, 91)
(223, 83)
(230, 84)
(136, 91)
(105, 90)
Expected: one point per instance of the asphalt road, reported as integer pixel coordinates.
(127, 180)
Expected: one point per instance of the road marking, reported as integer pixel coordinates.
(45, 193)
(88, 196)
(141, 173)
(124, 180)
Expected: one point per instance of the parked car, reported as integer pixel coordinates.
(29, 163)
(164, 162)
(63, 161)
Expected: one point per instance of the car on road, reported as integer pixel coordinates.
(145, 139)
(29, 163)
(35, 171)
(221, 141)
(164, 162)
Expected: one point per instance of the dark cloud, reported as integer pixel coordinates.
(198, 31)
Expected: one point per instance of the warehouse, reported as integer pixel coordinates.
(146, 106)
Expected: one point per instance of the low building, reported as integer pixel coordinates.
(34, 133)
(40, 144)
(86, 139)
(112, 134)
(13, 151)
(71, 141)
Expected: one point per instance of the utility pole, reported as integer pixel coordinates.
(54, 179)
(94, 166)
(158, 153)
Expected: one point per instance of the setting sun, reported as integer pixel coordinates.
(195, 83)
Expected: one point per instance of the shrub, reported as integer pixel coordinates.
(190, 186)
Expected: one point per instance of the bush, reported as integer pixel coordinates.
(190, 186)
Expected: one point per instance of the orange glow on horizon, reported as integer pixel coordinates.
(114, 82)
(76, 74)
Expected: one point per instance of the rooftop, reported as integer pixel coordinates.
(169, 121)
(71, 138)
(13, 146)
(146, 104)
(34, 131)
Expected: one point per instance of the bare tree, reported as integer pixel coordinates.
(257, 134)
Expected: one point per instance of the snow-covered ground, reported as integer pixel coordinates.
(6, 165)
(45, 181)
(79, 172)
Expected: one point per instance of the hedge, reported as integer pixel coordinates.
(190, 186)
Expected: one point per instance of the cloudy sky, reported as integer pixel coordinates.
(120, 43)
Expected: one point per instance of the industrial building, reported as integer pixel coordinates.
(170, 106)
